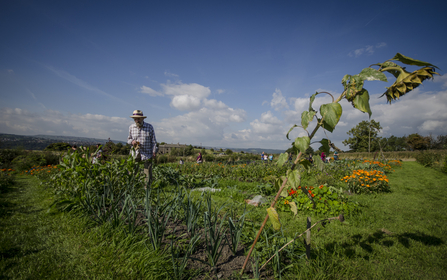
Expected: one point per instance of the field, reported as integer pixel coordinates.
(81, 221)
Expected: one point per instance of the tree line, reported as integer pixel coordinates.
(364, 138)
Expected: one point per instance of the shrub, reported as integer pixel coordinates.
(7, 156)
(162, 159)
(6, 179)
(427, 159)
(25, 162)
(208, 158)
(51, 158)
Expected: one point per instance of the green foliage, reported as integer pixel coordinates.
(8, 155)
(188, 151)
(417, 142)
(25, 162)
(228, 152)
(428, 159)
(359, 142)
(162, 159)
(7, 179)
(328, 201)
(60, 146)
(208, 157)
(394, 143)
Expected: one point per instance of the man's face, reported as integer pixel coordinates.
(138, 120)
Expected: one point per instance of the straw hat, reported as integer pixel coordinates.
(138, 114)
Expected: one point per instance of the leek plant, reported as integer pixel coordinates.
(179, 260)
(236, 228)
(214, 233)
(157, 217)
(191, 212)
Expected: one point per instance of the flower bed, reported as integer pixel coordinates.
(364, 181)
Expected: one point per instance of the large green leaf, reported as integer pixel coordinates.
(324, 145)
(410, 61)
(318, 162)
(361, 102)
(306, 118)
(306, 163)
(391, 64)
(345, 79)
(293, 208)
(282, 159)
(294, 178)
(354, 85)
(371, 74)
(287, 135)
(331, 113)
(302, 143)
(312, 98)
(274, 218)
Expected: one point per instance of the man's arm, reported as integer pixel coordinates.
(154, 143)
(129, 138)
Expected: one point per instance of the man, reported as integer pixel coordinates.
(142, 138)
(98, 155)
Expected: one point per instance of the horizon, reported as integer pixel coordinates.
(230, 74)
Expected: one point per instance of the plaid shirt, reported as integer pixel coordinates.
(146, 137)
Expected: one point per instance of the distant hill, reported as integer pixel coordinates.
(40, 142)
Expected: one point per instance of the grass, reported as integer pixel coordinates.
(35, 244)
(397, 235)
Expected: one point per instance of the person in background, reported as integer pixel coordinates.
(323, 156)
(98, 155)
(271, 158)
(142, 138)
(290, 158)
(311, 159)
(335, 155)
(181, 161)
(199, 158)
(74, 148)
(262, 156)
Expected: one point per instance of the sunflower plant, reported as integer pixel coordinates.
(328, 115)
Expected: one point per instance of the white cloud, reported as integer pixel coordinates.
(192, 89)
(220, 91)
(151, 92)
(169, 74)
(441, 79)
(278, 101)
(24, 122)
(10, 71)
(185, 102)
(369, 50)
(202, 126)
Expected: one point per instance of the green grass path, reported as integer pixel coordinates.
(33, 243)
(37, 244)
(398, 235)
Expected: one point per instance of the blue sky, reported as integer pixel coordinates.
(218, 73)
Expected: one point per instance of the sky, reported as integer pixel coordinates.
(232, 74)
